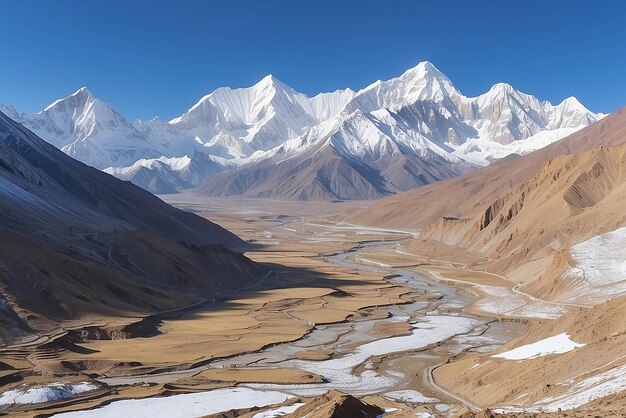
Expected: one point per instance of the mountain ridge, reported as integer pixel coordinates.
(420, 116)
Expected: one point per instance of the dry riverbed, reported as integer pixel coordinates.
(346, 308)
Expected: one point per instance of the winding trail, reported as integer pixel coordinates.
(431, 380)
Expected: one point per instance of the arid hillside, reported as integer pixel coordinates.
(79, 243)
(563, 378)
(465, 196)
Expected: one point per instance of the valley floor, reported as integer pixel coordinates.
(348, 308)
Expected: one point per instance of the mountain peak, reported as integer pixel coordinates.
(80, 97)
(572, 102)
(271, 81)
(82, 90)
(501, 87)
(422, 82)
(83, 94)
(497, 91)
(424, 69)
(427, 66)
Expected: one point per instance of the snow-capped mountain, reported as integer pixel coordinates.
(89, 130)
(165, 175)
(393, 135)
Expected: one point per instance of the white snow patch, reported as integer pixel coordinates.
(186, 405)
(558, 344)
(44, 393)
(483, 150)
(411, 396)
(279, 412)
(502, 301)
(594, 387)
(600, 268)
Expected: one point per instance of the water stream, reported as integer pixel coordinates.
(438, 325)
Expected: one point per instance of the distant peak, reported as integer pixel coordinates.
(9, 110)
(572, 101)
(80, 96)
(271, 80)
(423, 69)
(427, 65)
(501, 88)
(82, 92)
(268, 79)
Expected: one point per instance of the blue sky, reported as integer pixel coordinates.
(157, 57)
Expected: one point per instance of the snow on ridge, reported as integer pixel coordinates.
(584, 391)
(558, 344)
(45, 393)
(599, 270)
(482, 152)
(420, 113)
(601, 260)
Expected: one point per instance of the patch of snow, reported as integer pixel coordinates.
(599, 273)
(603, 384)
(185, 405)
(411, 396)
(278, 412)
(444, 408)
(557, 344)
(482, 151)
(502, 301)
(45, 393)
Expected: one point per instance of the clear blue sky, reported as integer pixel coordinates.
(157, 57)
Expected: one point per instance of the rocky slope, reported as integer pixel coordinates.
(585, 372)
(468, 195)
(80, 243)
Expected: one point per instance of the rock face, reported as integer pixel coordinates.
(337, 405)
(392, 135)
(77, 241)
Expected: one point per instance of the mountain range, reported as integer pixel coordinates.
(269, 140)
(530, 217)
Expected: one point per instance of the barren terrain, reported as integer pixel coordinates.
(360, 310)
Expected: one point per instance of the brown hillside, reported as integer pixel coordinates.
(466, 195)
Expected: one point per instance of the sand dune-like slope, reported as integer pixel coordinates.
(464, 196)
(78, 243)
(589, 369)
(571, 199)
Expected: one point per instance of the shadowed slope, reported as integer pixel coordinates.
(77, 242)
